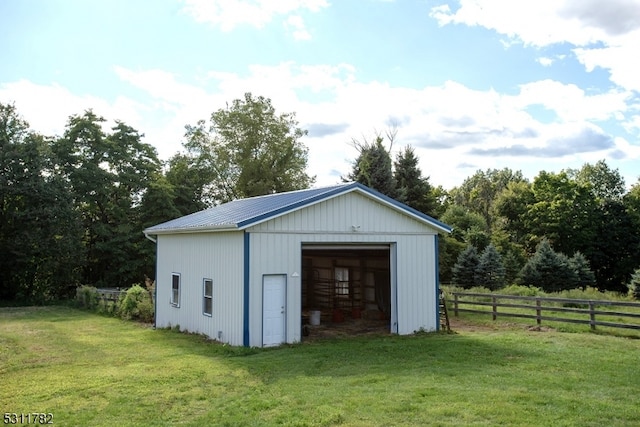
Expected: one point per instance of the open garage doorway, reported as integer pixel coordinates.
(347, 290)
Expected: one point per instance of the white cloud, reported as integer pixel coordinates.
(544, 61)
(162, 85)
(47, 108)
(295, 24)
(539, 23)
(618, 58)
(455, 129)
(571, 103)
(605, 35)
(228, 14)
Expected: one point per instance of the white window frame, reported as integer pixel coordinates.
(174, 299)
(207, 297)
(341, 275)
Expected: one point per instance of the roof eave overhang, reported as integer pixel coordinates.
(361, 189)
(190, 230)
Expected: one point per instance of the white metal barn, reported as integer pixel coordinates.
(246, 272)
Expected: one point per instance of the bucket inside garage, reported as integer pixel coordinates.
(314, 317)
(346, 289)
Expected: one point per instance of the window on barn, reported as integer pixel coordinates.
(342, 281)
(175, 289)
(207, 297)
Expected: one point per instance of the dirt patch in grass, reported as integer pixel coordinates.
(370, 327)
(346, 328)
(538, 328)
(465, 325)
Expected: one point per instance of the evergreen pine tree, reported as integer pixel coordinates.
(491, 271)
(548, 270)
(464, 271)
(512, 265)
(411, 188)
(580, 266)
(634, 284)
(372, 167)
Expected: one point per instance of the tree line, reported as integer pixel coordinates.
(73, 207)
(574, 228)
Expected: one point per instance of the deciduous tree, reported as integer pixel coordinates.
(248, 150)
(40, 233)
(468, 227)
(605, 184)
(478, 192)
(109, 175)
(564, 212)
(615, 250)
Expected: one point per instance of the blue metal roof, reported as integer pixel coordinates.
(242, 213)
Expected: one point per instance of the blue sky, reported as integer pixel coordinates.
(470, 84)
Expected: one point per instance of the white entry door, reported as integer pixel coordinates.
(273, 309)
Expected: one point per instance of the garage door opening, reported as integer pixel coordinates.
(346, 290)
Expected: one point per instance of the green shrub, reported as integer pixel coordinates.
(146, 311)
(87, 297)
(589, 293)
(136, 304)
(109, 308)
(478, 290)
(522, 291)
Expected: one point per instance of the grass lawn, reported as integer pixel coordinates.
(92, 370)
(485, 318)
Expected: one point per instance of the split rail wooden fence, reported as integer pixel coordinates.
(110, 294)
(591, 312)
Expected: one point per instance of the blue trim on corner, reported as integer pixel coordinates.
(155, 289)
(437, 251)
(245, 337)
(394, 247)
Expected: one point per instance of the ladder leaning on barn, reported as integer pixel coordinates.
(444, 314)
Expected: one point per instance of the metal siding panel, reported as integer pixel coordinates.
(274, 253)
(280, 253)
(340, 213)
(416, 284)
(217, 256)
(276, 249)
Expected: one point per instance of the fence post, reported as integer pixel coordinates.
(455, 305)
(495, 307)
(592, 316)
(538, 311)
